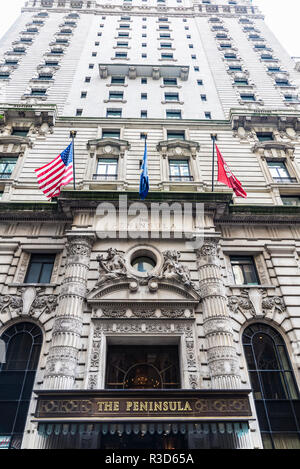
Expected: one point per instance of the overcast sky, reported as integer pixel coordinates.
(281, 16)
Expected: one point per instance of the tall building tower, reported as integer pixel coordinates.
(172, 323)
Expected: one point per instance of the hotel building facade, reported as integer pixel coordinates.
(157, 325)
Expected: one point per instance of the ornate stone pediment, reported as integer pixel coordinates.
(274, 148)
(257, 303)
(118, 281)
(108, 146)
(178, 148)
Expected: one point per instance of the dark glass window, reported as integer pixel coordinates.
(264, 136)
(20, 132)
(244, 270)
(7, 165)
(40, 268)
(142, 367)
(111, 134)
(179, 135)
(23, 345)
(170, 81)
(274, 387)
(117, 80)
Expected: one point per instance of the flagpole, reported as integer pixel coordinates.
(73, 135)
(213, 137)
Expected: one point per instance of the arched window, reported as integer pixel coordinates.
(274, 387)
(17, 374)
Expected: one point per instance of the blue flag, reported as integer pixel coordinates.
(144, 181)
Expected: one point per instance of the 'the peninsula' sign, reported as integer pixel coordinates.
(132, 404)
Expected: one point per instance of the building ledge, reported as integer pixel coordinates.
(155, 71)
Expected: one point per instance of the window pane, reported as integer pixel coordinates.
(281, 416)
(33, 273)
(286, 441)
(46, 273)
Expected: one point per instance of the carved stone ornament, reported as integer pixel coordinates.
(79, 246)
(256, 302)
(31, 302)
(112, 267)
(173, 270)
(209, 248)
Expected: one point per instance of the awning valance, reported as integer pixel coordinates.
(205, 428)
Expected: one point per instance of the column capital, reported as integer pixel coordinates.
(80, 243)
(209, 247)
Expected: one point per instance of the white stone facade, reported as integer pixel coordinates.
(199, 307)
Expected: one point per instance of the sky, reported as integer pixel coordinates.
(282, 16)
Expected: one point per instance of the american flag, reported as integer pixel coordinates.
(57, 173)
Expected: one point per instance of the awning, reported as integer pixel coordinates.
(235, 428)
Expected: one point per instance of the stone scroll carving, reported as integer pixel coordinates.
(31, 302)
(256, 302)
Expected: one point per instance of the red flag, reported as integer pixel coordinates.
(227, 177)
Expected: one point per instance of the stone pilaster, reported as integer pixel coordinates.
(222, 359)
(62, 360)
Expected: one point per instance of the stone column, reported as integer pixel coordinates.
(222, 358)
(62, 360)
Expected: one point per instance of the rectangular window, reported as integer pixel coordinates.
(38, 92)
(144, 114)
(166, 45)
(179, 134)
(117, 80)
(143, 96)
(116, 95)
(241, 82)
(114, 113)
(207, 115)
(107, 169)
(248, 97)
(264, 136)
(20, 132)
(121, 55)
(172, 97)
(173, 114)
(179, 170)
(122, 44)
(167, 56)
(111, 134)
(279, 172)
(40, 268)
(142, 367)
(203, 97)
(144, 81)
(7, 165)
(78, 112)
(123, 34)
(291, 201)
(170, 81)
(244, 270)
